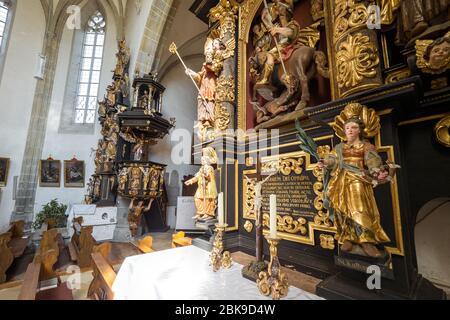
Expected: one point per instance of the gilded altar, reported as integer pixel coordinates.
(356, 52)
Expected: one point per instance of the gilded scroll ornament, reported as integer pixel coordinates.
(285, 166)
(398, 76)
(357, 59)
(249, 198)
(288, 224)
(434, 56)
(327, 241)
(441, 131)
(322, 218)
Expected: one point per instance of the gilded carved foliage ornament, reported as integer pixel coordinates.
(356, 110)
(433, 56)
(327, 241)
(357, 59)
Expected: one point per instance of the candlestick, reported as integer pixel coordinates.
(273, 216)
(221, 210)
(274, 282)
(220, 258)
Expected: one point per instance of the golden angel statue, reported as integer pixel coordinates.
(356, 169)
(206, 195)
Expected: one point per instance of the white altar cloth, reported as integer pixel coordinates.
(184, 274)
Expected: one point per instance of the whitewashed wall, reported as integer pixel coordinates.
(17, 92)
(66, 146)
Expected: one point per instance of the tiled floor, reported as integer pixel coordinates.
(161, 241)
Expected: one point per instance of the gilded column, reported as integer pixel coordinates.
(355, 50)
(225, 14)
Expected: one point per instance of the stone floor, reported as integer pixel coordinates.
(161, 241)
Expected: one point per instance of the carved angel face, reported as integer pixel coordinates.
(440, 55)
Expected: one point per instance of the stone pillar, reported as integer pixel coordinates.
(24, 206)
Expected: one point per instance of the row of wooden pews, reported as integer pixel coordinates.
(41, 281)
(12, 246)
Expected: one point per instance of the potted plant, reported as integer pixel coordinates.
(54, 213)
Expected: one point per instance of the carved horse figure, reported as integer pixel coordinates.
(302, 66)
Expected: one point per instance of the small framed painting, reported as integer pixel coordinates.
(74, 173)
(4, 168)
(50, 173)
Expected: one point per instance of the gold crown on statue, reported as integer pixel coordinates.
(357, 111)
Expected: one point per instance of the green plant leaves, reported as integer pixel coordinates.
(52, 210)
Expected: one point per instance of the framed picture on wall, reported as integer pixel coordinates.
(74, 173)
(50, 173)
(4, 168)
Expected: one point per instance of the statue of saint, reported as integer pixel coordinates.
(97, 184)
(135, 214)
(206, 195)
(138, 149)
(414, 16)
(145, 99)
(123, 179)
(146, 173)
(206, 80)
(355, 165)
(123, 59)
(135, 184)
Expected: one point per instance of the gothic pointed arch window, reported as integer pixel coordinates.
(90, 68)
(6, 17)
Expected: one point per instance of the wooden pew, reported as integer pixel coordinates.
(81, 244)
(31, 284)
(12, 246)
(52, 242)
(144, 245)
(103, 273)
(41, 270)
(6, 255)
(180, 240)
(18, 242)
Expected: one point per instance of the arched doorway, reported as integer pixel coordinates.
(432, 239)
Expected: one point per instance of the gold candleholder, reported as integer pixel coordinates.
(274, 282)
(220, 258)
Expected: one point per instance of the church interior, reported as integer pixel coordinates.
(278, 149)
